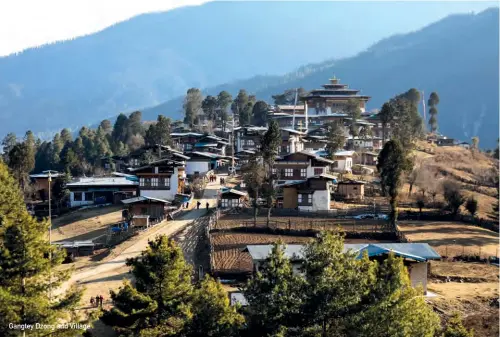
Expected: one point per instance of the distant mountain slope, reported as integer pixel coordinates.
(155, 57)
(457, 57)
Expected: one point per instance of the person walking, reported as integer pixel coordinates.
(207, 205)
(91, 301)
(198, 205)
(97, 301)
(101, 298)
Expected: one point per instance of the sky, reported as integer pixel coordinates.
(30, 23)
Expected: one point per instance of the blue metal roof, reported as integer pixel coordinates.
(415, 251)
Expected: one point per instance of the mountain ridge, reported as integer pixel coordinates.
(409, 55)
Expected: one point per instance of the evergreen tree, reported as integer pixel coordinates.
(7, 144)
(224, 100)
(391, 164)
(254, 176)
(335, 136)
(387, 115)
(192, 106)
(209, 106)
(475, 143)
(21, 163)
(159, 133)
(66, 136)
(455, 328)
(409, 124)
(159, 303)
(433, 102)
(106, 127)
(274, 295)
(471, 205)
(239, 104)
(259, 113)
(57, 146)
(212, 313)
(245, 116)
(453, 196)
(353, 111)
(27, 265)
(134, 125)
(270, 143)
(119, 133)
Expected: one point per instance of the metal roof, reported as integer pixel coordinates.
(75, 244)
(105, 181)
(414, 251)
(143, 198)
(45, 174)
(234, 192)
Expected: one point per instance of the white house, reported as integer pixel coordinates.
(343, 161)
(311, 194)
(201, 162)
(105, 190)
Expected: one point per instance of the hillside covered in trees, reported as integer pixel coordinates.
(457, 56)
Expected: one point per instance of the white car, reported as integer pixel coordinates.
(372, 216)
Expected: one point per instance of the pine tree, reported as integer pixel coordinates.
(212, 313)
(27, 268)
(209, 106)
(259, 113)
(391, 164)
(159, 133)
(57, 146)
(274, 295)
(119, 133)
(66, 136)
(270, 144)
(192, 106)
(387, 115)
(433, 102)
(159, 303)
(7, 144)
(353, 111)
(224, 100)
(336, 138)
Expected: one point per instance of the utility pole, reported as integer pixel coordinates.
(232, 146)
(294, 106)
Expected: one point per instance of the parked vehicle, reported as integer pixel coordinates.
(372, 216)
(119, 227)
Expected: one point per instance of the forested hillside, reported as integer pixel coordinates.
(456, 57)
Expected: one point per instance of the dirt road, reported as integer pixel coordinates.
(106, 275)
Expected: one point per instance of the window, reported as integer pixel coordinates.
(274, 170)
(310, 199)
(77, 196)
(224, 203)
(299, 198)
(166, 182)
(156, 169)
(288, 172)
(318, 171)
(147, 182)
(303, 173)
(250, 142)
(354, 188)
(154, 181)
(288, 149)
(141, 182)
(89, 196)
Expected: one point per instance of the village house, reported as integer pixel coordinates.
(343, 161)
(103, 190)
(152, 207)
(416, 256)
(351, 189)
(232, 198)
(366, 158)
(464, 145)
(185, 141)
(41, 182)
(291, 141)
(371, 143)
(248, 137)
(311, 194)
(444, 141)
(212, 144)
(300, 165)
(200, 163)
(161, 179)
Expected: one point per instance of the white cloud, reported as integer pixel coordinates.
(29, 23)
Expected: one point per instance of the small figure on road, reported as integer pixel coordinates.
(91, 301)
(187, 204)
(97, 301)
(208, 205)
(198, 205)
(100, 300)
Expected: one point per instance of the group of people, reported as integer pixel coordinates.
(222, 181)
(96, 301)
(212, 178)
(198, 204)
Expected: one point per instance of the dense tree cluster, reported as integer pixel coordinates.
(83, 154)
(333, 293)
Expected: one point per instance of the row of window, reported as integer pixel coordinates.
(80, 196)
(247, 142)
(230, 203)
(289, 172)
(305, 199)
(155, 182)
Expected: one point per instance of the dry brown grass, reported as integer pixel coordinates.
(479, 272)
(228, 255)
(452, 238)
(86, 224)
